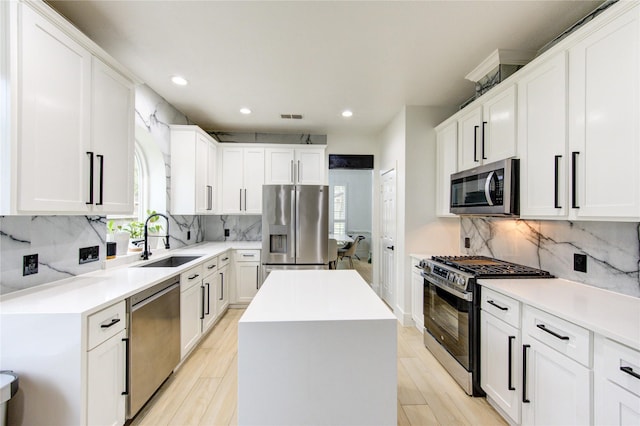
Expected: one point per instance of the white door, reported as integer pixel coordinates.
(222, 290)
(310, 166)
(542, 139)
(615, 405)
(54, 129)
(447, 152)
(278, 166)
(212, 184)
(388, 236)
(232, 184)
(498, 130)
(210, 284)
(190, 317)
(112, 114)
(417, 296)
(247, 280)
(604, 132)
(202, 175)
(253, 180)
(105, 382)
(468, 134)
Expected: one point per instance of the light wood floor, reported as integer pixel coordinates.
(203, 391)
(363, 268)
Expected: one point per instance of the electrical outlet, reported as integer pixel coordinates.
(29, 264)
(580, 262)
(467, 242)
(188, 235)
(226, 232)
(89, 254)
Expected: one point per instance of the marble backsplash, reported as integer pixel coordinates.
(612, 248)
(241, 228)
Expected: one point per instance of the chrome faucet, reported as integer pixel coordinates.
(146, 253)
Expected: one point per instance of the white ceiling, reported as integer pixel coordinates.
(313, 58)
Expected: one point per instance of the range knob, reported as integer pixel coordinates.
(460, 281)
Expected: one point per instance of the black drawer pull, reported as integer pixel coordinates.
(194, 276)
(112, 323)
(629, 370)
(524, 374)
(211, 266)
(553, 333)
(224, 259)
(502, 308)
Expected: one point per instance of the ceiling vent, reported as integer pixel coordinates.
(291, 116)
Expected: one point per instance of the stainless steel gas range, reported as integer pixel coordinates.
(452, 310)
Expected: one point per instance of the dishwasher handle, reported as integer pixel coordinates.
(154, 297)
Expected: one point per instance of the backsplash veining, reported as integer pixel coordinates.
(612, 249)
(241, 228)
(56, 239)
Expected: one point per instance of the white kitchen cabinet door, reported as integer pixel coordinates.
(417, 295)
(112, 114)
(209, 304)
(557, 389)
(212, 183)
(232, 180)
(310, 166)
(202, 192)
(500, 369)
(253, 180)
(497, 139)
(247, 280)
(542, 138)
(190, 318)
(468, 139)
(279, 165)
(222, 290)
(54, 127)
(604, 130)
(106, 382)
(615, 405)
(447, 164)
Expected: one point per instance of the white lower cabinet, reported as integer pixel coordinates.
(417, 294)
(247, 281)
(222, 289)
(209, 312)
(106, 364)
(191, 291)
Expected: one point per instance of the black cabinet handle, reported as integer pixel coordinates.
(224, 259)
(211, 266)
(90, 154)
(194, 276)
(629, 370)
(208, 298)
(101, 184)
(510, 366)
(553, 333)
(126, 366)
(202, 301)
(113, 322)
(221, 286)
(574, 185)
(556, 183)
(475, 143)
(484, 123)
(524, 373)
(502, 308)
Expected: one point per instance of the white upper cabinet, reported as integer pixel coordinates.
(242, 179)
(542, 139)
(604, 129)
(305, 166)
(193, 171)
(487, 132)
(69, 126)
(447, 147)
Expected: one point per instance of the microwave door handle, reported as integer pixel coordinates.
(487, 184)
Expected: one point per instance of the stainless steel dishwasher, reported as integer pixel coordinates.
(154, 340)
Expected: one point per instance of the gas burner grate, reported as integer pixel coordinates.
(487, 267)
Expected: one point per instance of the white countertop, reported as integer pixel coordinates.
(315, 295)
(87, 293)
(610, 314)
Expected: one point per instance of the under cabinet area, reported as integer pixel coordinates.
(86, 122)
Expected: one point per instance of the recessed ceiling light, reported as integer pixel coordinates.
(245, 111)
(347, 113)
(178, 80)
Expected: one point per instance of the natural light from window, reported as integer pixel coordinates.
(339, 209)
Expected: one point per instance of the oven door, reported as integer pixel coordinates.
(447, 318)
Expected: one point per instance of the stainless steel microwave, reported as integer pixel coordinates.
(488, 190)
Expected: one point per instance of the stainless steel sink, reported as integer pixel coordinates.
(170, 262)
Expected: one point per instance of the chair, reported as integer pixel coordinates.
(350, 250)
(333, 253)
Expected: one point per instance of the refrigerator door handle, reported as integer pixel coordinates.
(293, 230)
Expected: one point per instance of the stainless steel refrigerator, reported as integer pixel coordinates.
(295, 227)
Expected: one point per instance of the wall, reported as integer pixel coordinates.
(612, 249)
(56, 239)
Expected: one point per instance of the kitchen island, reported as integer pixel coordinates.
(317, 347)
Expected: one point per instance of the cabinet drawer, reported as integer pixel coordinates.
(210, 265)
(106, 323)
(190, 277)
(501, 306)
(247, 255)
(561, 335)
(617, 363)
(224, 259)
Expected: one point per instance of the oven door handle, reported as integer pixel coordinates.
(465, 296)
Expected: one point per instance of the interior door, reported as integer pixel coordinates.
(388, 236)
